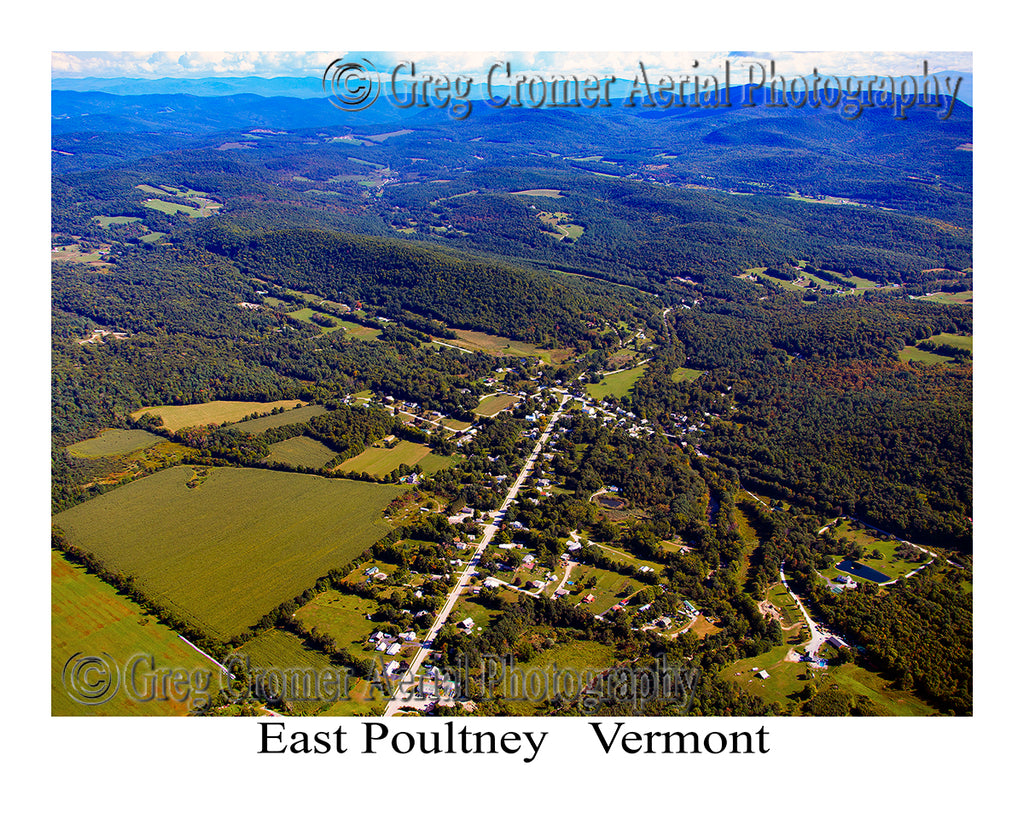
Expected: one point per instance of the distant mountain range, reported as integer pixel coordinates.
(309, 87)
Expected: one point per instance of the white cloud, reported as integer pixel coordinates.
(621, 63)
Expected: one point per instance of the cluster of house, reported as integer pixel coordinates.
(374, 573)
(627, 421)
(391, 645)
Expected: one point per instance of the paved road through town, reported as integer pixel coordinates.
(405, 692)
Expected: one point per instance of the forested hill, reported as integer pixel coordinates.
(397, 276)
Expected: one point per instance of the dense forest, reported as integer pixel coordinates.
(398, 276)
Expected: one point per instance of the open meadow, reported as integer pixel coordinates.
(227, 545)
(341, 616)
(680, 374)
(180, 416)
(618, 384)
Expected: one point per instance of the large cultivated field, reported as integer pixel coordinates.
(177, 417)
(228, 545)
(88, 617)
(300, 451)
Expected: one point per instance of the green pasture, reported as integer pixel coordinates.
(618, 384)
(224, 546)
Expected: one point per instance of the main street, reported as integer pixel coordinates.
(405, 693)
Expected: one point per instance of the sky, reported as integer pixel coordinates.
(197, 64)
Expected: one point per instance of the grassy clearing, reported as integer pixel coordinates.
(549, 193)
(306, 315)
(90, 617)
(75, 253)
(500, 346)
(620, 556)
(702, 628)
(363, 701)
(621, 358)
(202, 206)
(379, 460)
(170, 208)
(618, 384)
(177, 416)
(235, 544)
(680, 374)
(914, 353)
(787, 680)
(341, 616)
(781, 599)
(966, 297)
(481, 615)
(435, 463)
(860, 283)
(784, 679)
(888, 564)
(494, 404)
(300, 451)
(113, 442)
(610, 589)
(293, 416)
(358, 331)
(960, 342)
(558, 223)
(924, 356)
(107, 221)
